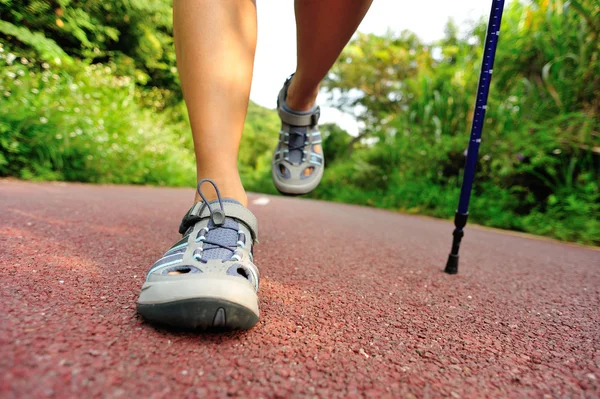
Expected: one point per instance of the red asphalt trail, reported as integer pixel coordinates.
(354, 304)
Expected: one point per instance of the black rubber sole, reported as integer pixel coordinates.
(200, 314)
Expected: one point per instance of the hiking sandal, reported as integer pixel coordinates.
(298, 162)
(208, 278)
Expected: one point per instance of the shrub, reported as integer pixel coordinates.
(83, 123)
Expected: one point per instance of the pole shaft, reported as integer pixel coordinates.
(483, 88)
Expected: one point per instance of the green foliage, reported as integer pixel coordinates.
(259, 138)
(83, 123)
(46, 48)
(337, 143)
(136, 36)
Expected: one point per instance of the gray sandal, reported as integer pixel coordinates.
(208, 278)
(298, 162)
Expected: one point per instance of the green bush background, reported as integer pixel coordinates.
(89, 92)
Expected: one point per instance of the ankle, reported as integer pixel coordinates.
(301, 99)
(229, 187)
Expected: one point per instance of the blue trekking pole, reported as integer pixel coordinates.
(485, 77)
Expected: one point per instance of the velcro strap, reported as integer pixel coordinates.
(232, 210)
(299, 119)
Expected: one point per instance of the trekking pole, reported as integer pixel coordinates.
(487, 65)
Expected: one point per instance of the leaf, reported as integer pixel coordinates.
(45, 47)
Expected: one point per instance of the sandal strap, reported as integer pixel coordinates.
(232, 210)
(295, 119)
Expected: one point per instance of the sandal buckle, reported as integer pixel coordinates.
(314, 118)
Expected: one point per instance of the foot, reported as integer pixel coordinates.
(298, 162)
(208, 278)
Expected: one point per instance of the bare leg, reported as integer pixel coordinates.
(323, 28)
(215, 43)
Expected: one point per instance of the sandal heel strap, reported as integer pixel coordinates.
(294, 119)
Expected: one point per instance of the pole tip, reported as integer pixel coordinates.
(452, 264)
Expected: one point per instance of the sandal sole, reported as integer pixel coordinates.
(295, 190)
(200, 314)
(199, 303)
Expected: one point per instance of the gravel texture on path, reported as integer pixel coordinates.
(354, 304)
